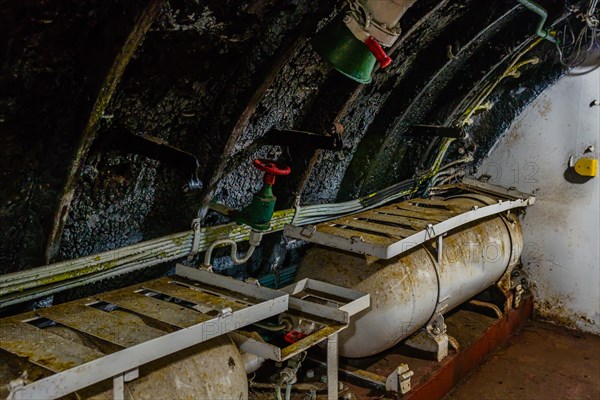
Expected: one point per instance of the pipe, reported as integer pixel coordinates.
(251, 361)
(299, 387)
(284, 326)
(288, 391)
(255, 238)
(539, 10)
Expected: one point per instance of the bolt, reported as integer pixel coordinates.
(595, 103)
(323, 379)
(310, 374)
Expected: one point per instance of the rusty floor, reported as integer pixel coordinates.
(542, 362)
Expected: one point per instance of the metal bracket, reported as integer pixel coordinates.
(157, 149)
(196, 225)
(331, 140)
(432, 338)
(308, 231)
(119, 383)
(399, 380)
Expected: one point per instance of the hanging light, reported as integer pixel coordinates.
(353, 41)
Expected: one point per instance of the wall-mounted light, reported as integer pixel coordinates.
(354, 41)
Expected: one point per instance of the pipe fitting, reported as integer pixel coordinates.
(255, 239)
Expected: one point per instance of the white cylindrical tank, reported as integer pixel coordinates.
(407, 290)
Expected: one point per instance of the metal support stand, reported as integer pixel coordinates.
(120, 380)
(332, 367)
(119, 387)
(389, 231)
(440, 248)
(432, 339)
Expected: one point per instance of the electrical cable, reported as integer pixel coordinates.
(574, 45)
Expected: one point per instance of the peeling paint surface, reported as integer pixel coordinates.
(561, 230)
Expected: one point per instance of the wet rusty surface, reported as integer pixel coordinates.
(392, 217)
(163, 311)
(388, 224)
(394, 232)
(43, 348)
(355, 234)
(542, 362)
(112, 327)
(169, 287)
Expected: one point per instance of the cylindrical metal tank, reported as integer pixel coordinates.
(210, 370)
(407, 290)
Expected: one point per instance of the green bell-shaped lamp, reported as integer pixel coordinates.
(337, 45)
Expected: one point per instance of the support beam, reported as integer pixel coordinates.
(105, 94)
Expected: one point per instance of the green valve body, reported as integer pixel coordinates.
(259, 212)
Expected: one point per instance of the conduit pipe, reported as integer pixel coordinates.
(539, 10)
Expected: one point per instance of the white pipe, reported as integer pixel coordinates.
(255, 238)
(252, 362)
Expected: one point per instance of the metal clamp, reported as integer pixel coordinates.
(196, 241)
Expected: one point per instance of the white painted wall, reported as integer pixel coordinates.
(562, 229)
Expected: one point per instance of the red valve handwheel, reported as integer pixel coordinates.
(271, 169)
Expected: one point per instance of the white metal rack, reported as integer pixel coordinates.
(221, 305)
(389, 231)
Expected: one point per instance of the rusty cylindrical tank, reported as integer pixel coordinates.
(406, 290)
